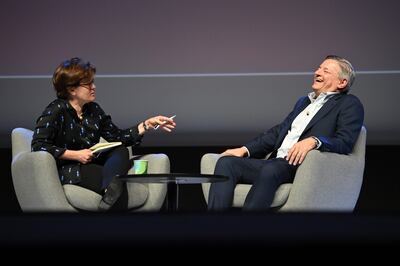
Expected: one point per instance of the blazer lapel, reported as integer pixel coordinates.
(300, 109)
(324, 110)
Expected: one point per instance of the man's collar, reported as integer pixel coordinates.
(312, 95)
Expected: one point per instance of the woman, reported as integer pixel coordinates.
(73, 123)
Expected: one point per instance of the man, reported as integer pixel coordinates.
(328, 119)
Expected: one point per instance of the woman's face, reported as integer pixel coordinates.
(84, 93)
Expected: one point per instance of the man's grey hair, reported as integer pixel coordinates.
(347, 70)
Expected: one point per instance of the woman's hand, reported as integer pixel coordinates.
(82, 156)
(164, 122)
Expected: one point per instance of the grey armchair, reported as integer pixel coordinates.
(38, 187)
(324, 181)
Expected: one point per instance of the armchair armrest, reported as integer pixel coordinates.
(325, 181)
(207, 166)
(158, 164)
(37, 184)
(208, 162)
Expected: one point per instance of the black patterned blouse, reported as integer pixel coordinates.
(59, 129)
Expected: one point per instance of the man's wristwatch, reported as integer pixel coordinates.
(318, 143)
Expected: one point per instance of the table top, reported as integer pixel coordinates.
(178, 178)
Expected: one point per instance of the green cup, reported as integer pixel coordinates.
(140, 167)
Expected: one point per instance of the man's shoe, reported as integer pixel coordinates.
(111, 194)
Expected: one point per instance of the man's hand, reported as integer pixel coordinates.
(238, 152)
(299, 150)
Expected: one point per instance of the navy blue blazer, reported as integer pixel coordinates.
(337, 125)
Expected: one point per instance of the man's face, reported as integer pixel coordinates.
(326, 77)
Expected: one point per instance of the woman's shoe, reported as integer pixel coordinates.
(111, 194)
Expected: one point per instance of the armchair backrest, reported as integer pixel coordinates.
(21, 139)
(360, 145)
(35, 176)
(329, 181)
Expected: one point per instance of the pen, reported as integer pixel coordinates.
(156, 127)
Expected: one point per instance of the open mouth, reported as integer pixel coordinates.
(318, 79)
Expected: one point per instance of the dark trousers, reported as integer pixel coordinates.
(98, 174)
(264, 175)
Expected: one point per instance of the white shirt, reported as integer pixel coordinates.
(302, 120)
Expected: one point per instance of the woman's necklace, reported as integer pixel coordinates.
(78, 109)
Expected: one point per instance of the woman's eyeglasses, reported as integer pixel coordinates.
(88, 86)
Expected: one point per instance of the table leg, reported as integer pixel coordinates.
(172, 197)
